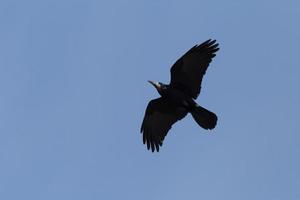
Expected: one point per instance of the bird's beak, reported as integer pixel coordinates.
(155, 84)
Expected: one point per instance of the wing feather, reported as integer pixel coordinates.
(188, 71)
(158, 120)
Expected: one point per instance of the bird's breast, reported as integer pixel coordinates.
(176, 97)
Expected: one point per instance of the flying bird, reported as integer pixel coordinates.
(178, 97)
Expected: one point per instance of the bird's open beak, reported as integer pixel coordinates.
(155, 84)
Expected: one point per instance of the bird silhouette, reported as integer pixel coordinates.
(178, 97)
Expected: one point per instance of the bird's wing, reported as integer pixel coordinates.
(158, 120)
(188, 71)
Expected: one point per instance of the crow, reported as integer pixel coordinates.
(178, 98)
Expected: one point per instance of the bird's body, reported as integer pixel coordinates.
(175, 97)
(178, 98)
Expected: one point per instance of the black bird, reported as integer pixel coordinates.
(177, 98)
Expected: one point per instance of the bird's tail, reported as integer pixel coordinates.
(204, 118)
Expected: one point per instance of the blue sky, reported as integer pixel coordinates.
(73, 94)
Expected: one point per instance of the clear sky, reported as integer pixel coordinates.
(73, 86)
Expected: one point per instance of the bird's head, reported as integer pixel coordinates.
(160, 87)
(157, 85)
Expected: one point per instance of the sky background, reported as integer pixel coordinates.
(73, 92)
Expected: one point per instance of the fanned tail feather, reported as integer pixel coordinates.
(204, 118)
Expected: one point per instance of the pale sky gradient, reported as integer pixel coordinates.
(73, 86)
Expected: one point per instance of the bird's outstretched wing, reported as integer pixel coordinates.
(188, 71)
(158, 120)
